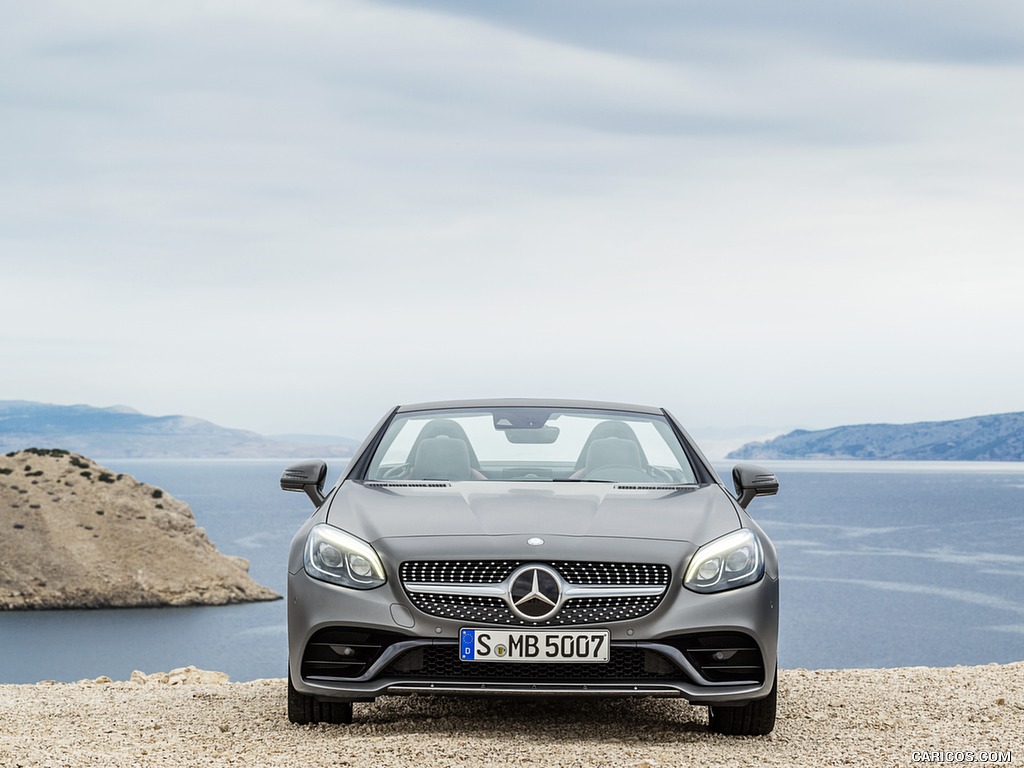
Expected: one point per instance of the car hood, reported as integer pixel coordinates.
(559, 511)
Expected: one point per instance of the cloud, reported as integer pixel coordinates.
(663, 29)
(752, 214)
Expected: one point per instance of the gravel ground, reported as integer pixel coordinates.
(188, 717)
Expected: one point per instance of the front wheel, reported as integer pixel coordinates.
(307, 710)
(756, 718)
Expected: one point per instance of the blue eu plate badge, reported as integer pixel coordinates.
(467, 644)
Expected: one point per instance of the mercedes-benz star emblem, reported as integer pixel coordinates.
(535, 592)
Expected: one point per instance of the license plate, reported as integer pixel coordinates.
(533, 645)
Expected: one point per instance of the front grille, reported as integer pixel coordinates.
(490, 609)
(441, 662)
(496, 571)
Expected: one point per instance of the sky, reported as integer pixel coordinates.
(290, 215)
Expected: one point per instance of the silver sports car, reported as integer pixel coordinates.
(532, 548)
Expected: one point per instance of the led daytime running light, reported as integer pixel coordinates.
(732, 561)
(340, 558)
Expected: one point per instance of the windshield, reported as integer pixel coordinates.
(539, 444)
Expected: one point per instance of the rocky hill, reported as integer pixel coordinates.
(125, 433)
(76, 535)
(982, 438)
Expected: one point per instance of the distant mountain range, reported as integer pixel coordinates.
(981, 438)
(122, 432)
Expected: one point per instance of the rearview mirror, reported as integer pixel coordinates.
(750, 480)
(309, 477)
(538, 435)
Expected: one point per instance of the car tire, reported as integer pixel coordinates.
(307, 710)
(754, 719)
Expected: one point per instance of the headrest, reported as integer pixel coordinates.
(613, 450)
(441, 458)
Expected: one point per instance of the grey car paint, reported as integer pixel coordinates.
(567, 509)
(597, 521)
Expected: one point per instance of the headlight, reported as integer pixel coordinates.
(340, 558)
(734, 560)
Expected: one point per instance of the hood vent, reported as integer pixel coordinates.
(677, 487)
(406, 484)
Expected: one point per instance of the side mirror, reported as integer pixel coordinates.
(308, 477)
(751, 480)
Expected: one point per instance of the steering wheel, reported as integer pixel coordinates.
(660, 474)
(617, 473)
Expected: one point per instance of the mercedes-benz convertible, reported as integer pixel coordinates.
(532, 548)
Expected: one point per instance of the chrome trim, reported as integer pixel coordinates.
(539, 689)
(466, 590)
(535, 592)
(597, 590)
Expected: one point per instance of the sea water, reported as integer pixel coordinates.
(883, 564)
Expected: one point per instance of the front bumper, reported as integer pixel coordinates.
(356, 645)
